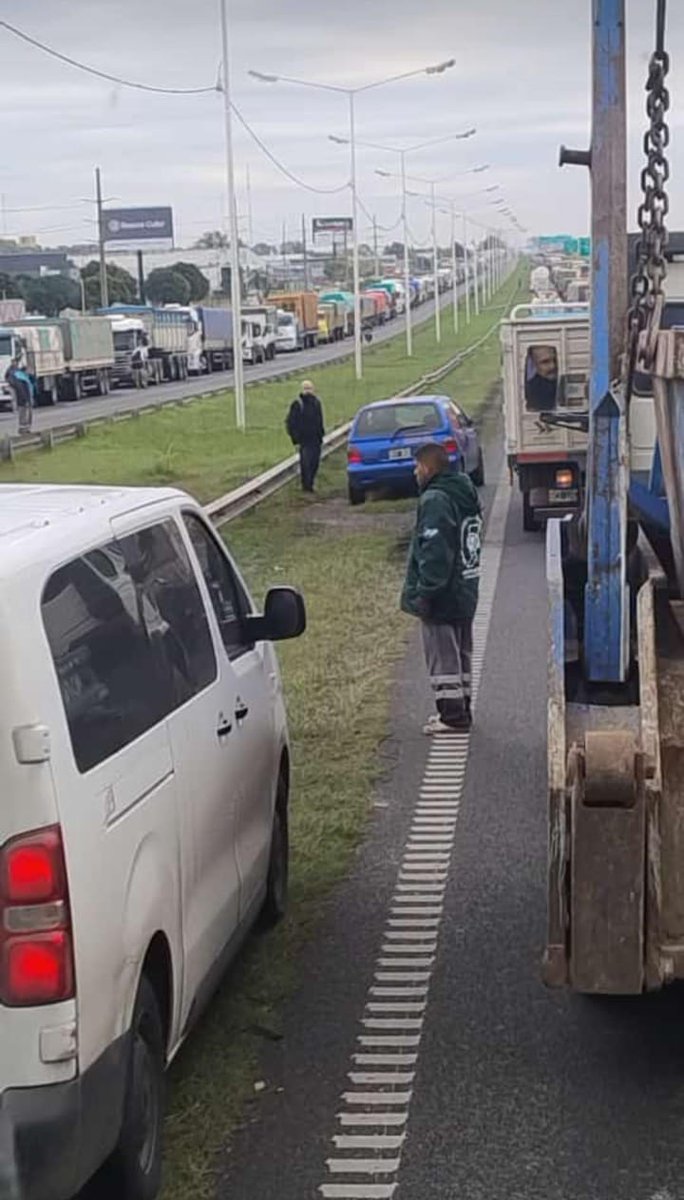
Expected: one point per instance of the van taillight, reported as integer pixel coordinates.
(36, 949)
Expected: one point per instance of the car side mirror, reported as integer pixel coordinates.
(469, 422)
(284, 617)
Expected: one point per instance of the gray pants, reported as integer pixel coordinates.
(25, 412)
(448, 655)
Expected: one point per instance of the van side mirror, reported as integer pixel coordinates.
(284, 617)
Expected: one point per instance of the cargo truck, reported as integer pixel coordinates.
(216, 325)
(346, 300)
(304, 306)
(40, 350)
(70, 357)
(545, 381)
(264, 321)
(163, 343)
(331, 321)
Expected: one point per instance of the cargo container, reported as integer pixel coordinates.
(217, 338)
(40, 350)
(331, 321)
(304, 306)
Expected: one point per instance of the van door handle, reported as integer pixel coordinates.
(224, 729)
(241, 712)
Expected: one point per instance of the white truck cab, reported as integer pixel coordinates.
(144, 768)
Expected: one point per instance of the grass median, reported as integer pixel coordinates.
(197, 446)
(349, 564)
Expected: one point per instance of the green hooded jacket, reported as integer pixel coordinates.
(443, 570)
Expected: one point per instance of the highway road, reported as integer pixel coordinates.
(124, 399)
(422, 1058)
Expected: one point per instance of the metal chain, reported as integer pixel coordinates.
(646, 287)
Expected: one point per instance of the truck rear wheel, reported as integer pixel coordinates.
(530, 522)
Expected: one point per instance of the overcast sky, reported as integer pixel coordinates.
(522, 77)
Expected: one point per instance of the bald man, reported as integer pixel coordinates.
(305, 427)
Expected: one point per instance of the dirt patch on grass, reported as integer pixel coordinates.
(337, 514)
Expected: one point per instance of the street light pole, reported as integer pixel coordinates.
(104, 288)
(358, 360)
(466, 267)
(235, 288)
(435, 264)
(454, 276)
(407, 265)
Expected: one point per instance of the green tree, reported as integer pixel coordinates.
(49, 294)
(121, 285)
(213, 239)
(197, 282)
(10, 288)
(166, 285)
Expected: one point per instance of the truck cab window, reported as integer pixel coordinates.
(541, 379)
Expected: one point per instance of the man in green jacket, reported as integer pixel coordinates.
(442, 582)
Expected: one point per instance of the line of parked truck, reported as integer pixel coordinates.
(131, 345)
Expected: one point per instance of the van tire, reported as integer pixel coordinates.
(478, 475)
(135, 1167)
(530, 522)
(275, 903)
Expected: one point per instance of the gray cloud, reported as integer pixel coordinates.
(522, 77)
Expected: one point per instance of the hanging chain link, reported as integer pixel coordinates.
(647, 293)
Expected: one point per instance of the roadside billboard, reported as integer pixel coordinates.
(331, 225)
(137, 224)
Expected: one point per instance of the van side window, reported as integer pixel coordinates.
(227, 596)
(129, 637)
(541, 378)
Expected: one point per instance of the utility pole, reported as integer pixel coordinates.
(250, 214)
(466, 268)
(454, 275)
(375, 247)
(435, 264)
(305, 255)
(235, 281)
(104, 288)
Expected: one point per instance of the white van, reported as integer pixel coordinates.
(144, 769)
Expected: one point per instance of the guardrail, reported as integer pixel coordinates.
(249, 494)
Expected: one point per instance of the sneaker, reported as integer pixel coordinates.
(435, 724)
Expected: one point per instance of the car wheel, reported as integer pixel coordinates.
(135, 1167)
(275, 904)
(530, 523)
(356, 496)
(478, 475)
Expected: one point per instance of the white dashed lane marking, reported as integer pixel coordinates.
(375, 1107)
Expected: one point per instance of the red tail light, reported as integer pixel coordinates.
(36, 950)
(451, 446)
(354, 455)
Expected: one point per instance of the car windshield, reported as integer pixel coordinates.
(391, 418)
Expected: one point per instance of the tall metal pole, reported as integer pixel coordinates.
(358, 358)
(375, 247)
(104, 288)
(435, 265)
(407, 266)
(305, 255)
(235, 283)
(250, 214)
(454, 275)
(476, 281)
(466, 268)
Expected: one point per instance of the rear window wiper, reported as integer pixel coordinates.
(408, 428)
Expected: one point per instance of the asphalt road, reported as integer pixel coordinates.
(507, 1091)
(124, 399)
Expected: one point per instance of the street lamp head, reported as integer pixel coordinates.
(440, 68)
(263, 78)
(479, 170)
(385, 174)
(468, 134)
(339, 141)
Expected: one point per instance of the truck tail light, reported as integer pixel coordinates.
(36, 945)
(564, 477)
(354, 455)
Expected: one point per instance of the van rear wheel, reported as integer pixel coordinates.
(135, 1167)
(275, 904)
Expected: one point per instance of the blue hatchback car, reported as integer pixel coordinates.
(385, 436)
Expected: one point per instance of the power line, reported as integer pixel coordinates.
(146, 87)
(73, 62)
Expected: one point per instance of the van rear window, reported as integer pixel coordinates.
(130, 639)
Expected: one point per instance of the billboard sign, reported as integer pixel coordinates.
(137, 224)
(331, 225)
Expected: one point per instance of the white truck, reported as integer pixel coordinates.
(157, 338)
(69, 357)
(546, 381)
(263, 319)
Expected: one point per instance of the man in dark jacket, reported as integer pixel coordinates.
(23, 390)
(305, 426)
(442, 582)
